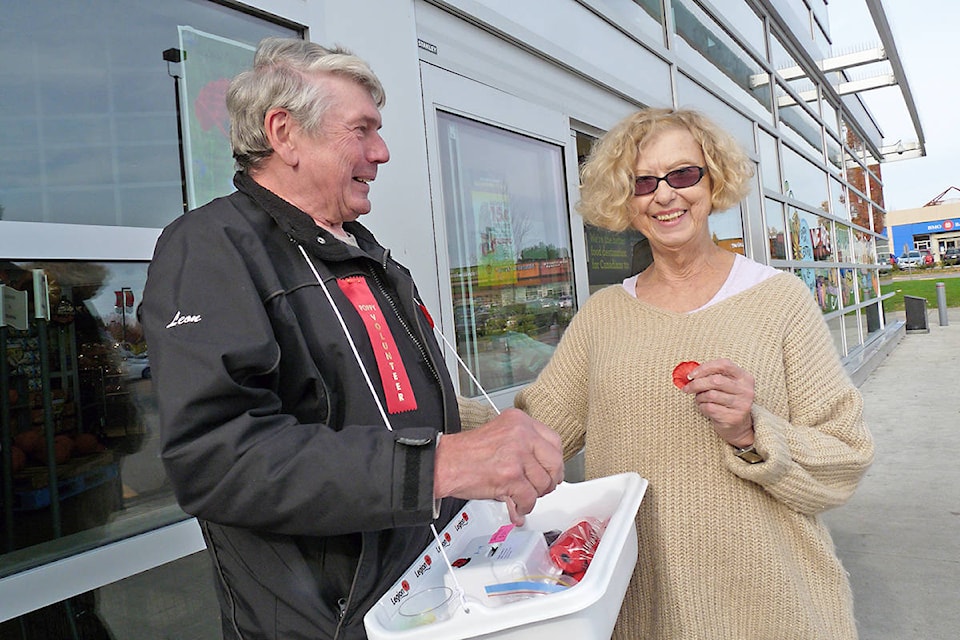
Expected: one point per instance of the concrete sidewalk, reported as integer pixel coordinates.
(899, 535)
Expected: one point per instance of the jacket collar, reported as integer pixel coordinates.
(301, 227)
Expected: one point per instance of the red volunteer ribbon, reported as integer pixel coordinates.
(393, 375)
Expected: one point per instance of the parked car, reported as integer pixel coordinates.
(910, 260)
(886, 262)
(927, 258)
(950, 256)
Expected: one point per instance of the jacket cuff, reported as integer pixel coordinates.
(414, 461)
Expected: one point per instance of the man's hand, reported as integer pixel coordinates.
(513, 458)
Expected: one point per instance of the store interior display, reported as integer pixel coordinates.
(69, 407)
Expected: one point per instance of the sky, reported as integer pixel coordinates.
(926, 33)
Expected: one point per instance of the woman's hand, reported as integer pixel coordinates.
(724, 393)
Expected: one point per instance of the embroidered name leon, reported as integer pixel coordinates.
(182, 319)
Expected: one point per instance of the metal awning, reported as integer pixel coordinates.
(913, 149)
(885, 68)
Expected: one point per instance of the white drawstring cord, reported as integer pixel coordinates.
(464, 366)
(383, 413)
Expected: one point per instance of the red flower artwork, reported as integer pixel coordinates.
(210, 107)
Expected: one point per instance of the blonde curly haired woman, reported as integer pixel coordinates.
(743, 452)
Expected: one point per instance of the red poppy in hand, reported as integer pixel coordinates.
(681, 371)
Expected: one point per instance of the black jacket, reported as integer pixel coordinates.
(311, 508)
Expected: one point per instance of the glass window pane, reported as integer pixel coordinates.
(863, 247)
(844, 246)
(700, 37)
(769, 162)
(81, 409)
(613, 257)
(851, 329)
(810, 236)
(848, 289)
(89, 111)
(821, 237)
(508, 241)
(869, 283)
(726, 227)
(799, 126)
(745, 20)
(776, 229)
(828, 289)
(838, 200)
(859, 209)
(691, 94)
(645, 15)
(834, 155)
(836, 331)
(175, 600)
(803, 180)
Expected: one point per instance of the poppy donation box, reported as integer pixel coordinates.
(564, 573)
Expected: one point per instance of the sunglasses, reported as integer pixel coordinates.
(678, 179)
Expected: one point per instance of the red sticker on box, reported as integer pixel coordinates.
(501, 534)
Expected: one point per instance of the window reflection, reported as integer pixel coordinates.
(738, 71)
(646, 15)
(726, 229)
(78, 410)
(844, 249)
(851, 330)
(509, 249)
(174, 600)
(804, 181)
(810, 236)
(776, 229)
(88, 107)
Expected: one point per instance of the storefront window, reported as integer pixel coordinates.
(838, 200)
(844, 248)
(824, 287)
(726, 229)
(776, 229)
(810, 235)
(803, 180)
(848, 289)
(868, 281)
(79, 422)
(89, 107)
(508, 242)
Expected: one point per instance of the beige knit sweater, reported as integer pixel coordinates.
(728, 550)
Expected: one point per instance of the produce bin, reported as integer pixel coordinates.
(587, 610)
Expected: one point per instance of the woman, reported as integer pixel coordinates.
(745, 450)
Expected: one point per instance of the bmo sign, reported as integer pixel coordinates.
(946, 225)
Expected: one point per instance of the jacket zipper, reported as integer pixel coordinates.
(344, 603)
(406, 327)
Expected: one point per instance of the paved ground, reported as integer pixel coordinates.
(899, 536)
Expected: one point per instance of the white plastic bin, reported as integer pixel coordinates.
(585, 611)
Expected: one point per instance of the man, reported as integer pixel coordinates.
(302, 394)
